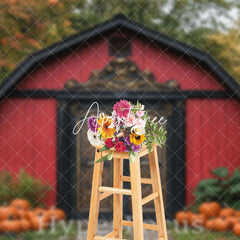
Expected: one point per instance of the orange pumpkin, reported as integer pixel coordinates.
(10, 225)
(182, 217)
(232, 221)
(237, 213)
(56, 214)
(195, 220)
(209, 209)
(22, 213)
(25, 225)
(8, 212)
(210, 224)
(236, 229)
(40, 211)
(21, 204)
(38, 221)
(221, 225)
(226, 212)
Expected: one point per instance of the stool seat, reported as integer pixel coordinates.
(100, 192)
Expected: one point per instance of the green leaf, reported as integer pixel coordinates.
(214, 191)
(235, 188)
(235, 204)
(207, 182)
(227, 198)
(235, 177)
(220, 172)
(104, 148)
(132, 156)
(155, 128)
(106, 157)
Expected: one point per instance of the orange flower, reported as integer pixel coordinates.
(104, 129)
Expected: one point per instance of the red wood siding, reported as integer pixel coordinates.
(80, 64)
(28, 139)
(212, 138)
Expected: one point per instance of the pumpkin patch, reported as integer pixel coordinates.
(19, 217)
(212, 217)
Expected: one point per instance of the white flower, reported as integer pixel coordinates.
(138, 129)
(140, 122)
(120, 134)
(94, 138)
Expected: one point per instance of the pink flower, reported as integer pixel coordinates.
(140, 113)
(130, 120)
(122, 108)
(140, 122)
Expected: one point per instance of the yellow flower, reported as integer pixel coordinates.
(137, 139)
(104, 129)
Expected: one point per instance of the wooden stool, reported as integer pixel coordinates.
(100, 192)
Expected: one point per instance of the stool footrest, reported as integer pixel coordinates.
(149, 198)
(145, 225)
(115, 190)
(107, 238)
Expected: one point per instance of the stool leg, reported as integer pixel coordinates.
(157, 187)
(117, 198)
(136, 188)
(95, 201)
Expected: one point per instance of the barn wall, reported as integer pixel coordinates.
(28, 139)
(206, 146)
(79, 64)
(212, 138)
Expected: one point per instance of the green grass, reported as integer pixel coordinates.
(69, 231)
(58, 233)
(190, 234)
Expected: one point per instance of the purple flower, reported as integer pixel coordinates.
(127, 140)
(136, 148)
(126, 148)
(92, 124)
(117, 121)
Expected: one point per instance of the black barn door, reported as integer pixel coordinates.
(75, 160)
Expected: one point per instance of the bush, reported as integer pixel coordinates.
(22, 185)
(223, 188)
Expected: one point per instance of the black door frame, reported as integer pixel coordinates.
(66, 194)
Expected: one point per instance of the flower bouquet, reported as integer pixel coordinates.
(126, 130)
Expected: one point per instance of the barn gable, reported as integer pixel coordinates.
(177, 52)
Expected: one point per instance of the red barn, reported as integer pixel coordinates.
(52, 89)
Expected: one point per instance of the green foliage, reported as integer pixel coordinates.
(154, 134)
(220, 172)
(22, 186)
(106, 157)
(223, 188)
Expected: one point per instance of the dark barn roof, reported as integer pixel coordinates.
(119, 22)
